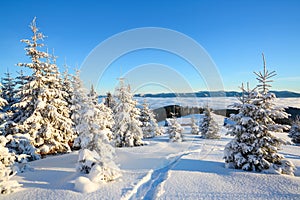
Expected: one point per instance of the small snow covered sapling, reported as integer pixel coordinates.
(98, 169)
(295, 131)
(175, 130)
(209, 128)
(254, 146)
(194, 127)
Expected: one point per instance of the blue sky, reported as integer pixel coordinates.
(234, 33)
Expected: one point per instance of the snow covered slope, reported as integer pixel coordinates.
(193, 169)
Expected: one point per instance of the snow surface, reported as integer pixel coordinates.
(192, 169)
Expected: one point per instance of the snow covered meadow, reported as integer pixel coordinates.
(192, 169)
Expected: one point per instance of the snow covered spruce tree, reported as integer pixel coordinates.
(127, 129)
(42, 110)
(106, 119)
(3, 116)
(67, 88)
(175, 130)
(110, 101)
(8, 92)
(295, 131)
(208, 127)
(93, 95)
(194, 127)
(254, 147)
(18, 144)
(79, 102)
(96, 154)
(20, 81)
(149, 125)
(6, 172)
(105, 116)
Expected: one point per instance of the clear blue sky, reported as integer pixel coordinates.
(233, 32)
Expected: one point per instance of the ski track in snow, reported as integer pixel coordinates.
(151, 186)
(144, 189)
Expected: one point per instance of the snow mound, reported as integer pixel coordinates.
(85, 185)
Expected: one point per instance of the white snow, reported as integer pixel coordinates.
(192, 169)
(85, 185)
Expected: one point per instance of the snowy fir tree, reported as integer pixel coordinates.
(18, 144)
(175, 130)
(8, 91)
(42, 110)
(11, 127)
(6, 172)
(295, 131)
(67, 87)
(127, 129)
(209, 128)
(149, 124)
(93, 95)
(96, 154)
(110, 101)
(104, 114)
(106, 120)
(194, 127)
(20, 80)
(79, 102)
(254, 147)
(3, 117)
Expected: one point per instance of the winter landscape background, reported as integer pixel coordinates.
(149, 99)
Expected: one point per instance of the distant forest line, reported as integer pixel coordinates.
(279, 94)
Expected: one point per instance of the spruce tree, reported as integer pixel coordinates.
(8, 91)
(295, 131)
(109, 101)
(96, 154)
(3, 115)
(20, 80)
(149, 124)
(79, 100)
(208, 127)
(194, 127)
(93, 95)
(67, 87)
(42, 110)
(127, 129)
(106, 120)
(18, 145)
(175, 130)
(254, 146)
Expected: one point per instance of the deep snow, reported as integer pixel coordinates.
(193, 169)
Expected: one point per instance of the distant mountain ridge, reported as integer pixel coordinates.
(279, 94)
